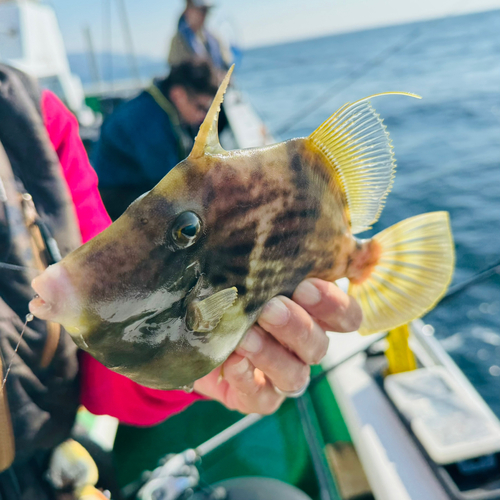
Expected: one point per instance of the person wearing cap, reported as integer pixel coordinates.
(147, 136)
(194, 40)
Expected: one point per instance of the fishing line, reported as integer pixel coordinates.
(476, 278)
(29, 317)
(348, 80)
(320, 376)
(314, 438)
(491, 270)
(13, 267)
(452, 291)
(127, 35)
(107, 40)
(361, 71)
(248, 421)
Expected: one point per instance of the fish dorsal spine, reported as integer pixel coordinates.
(207, 140)
(357, 146)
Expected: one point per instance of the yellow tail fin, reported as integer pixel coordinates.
(413, 272)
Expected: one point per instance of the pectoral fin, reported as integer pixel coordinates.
(204, 315)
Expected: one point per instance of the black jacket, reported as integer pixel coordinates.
(42, 401)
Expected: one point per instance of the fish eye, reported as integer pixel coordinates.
(186, 229)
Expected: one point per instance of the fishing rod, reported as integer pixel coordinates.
(454, 290)
(347, 81)
(127, 35)
(363, 348)
(476, 278)
(307, 415)
(328, 489)
(359, 72)
(180, 465)
(491, 270)
(326, 483)
(175, 472)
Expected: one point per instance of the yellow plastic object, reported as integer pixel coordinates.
(72, 466)
(399, 355)
(7, 446)
(91, 493)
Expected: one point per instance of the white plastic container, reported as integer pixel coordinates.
(443, 416)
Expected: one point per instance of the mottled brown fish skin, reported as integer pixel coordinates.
(275, 217)
(270, 218)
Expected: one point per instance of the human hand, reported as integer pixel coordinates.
(277, 351)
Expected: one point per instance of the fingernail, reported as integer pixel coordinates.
(252, 342)
(275, 313)
(242, 366)
(347, 325)
(306, 293)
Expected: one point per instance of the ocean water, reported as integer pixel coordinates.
(447, 145)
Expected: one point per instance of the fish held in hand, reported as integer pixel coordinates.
(166, 293)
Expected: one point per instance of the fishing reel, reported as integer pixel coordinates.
(177, 478)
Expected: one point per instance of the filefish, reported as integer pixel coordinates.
(166, 293)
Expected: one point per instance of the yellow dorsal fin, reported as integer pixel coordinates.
(207, 139)
(358, 147)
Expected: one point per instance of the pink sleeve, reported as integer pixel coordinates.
(103, 391)
(62, 128)
(108, 393)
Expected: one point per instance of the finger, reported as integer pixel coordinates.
(293, 327)
(239, 372)
(333, 308)
(281, 366)
(248, 390)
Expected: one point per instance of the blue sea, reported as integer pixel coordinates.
(447, 145)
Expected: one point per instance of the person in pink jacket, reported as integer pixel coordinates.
(272, 361)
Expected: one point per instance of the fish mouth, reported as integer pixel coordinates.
(55, 298)
(39, 308)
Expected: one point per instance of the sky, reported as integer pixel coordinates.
(250, 23)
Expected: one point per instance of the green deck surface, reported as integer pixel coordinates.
(274, 447)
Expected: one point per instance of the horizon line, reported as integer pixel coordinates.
(299, 39)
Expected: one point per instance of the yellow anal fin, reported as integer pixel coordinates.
(356, 144)
(399, 355)
(205, 315)
(412, 273)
